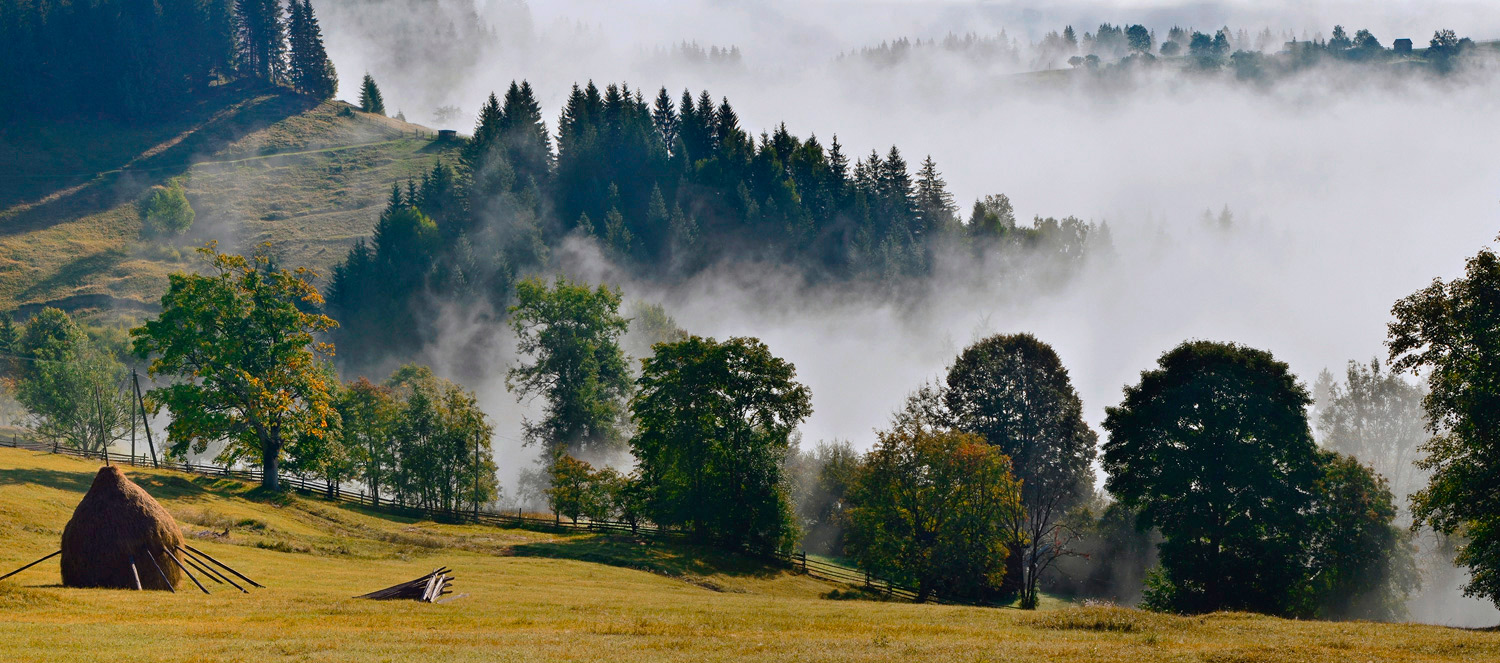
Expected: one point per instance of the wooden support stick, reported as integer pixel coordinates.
(431, 581)
(225, 566)
(159, 572)
(190, 575)
(200, 569)
(135, 573)
(188, 554)
(30, 565)
(196, 567)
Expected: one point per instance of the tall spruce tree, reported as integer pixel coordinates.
(369, 97)
(262, 39)
(935, 207)
(528, 145)
(310, 70)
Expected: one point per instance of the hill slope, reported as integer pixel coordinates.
(536, 596)
(258, 164)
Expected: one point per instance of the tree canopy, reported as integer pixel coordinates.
(71, 386)
(244, 359)
(931, 507)
(1214, 449)
(1013, 391)
(1451, 331)
(569, 334)
(713, 426)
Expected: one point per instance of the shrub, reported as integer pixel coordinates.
(165, 211)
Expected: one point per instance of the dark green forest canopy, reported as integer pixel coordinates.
(145, 60)
(667, 188)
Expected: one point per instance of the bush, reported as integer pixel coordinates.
(165, 211)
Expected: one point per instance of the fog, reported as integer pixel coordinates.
(1348, 191)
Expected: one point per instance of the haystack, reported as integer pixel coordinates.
(116, 523)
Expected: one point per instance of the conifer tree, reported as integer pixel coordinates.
(262, 39)
(527, 143)
(369, 97)
(486, 131)
(934, 203)
(664, 118)
(310, 70)
(296, 41)
(8, 333)
(838, 164)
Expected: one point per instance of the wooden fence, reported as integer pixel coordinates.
(798, 561)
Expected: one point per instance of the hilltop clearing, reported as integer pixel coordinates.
(257, 164)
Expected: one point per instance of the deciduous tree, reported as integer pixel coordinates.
(1451, 331)
(1013, 391)
(569, 335)
(931, 507)
(713, 425)
(242, 350)
(1214, 449)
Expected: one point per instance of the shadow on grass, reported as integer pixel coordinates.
(670, 559)
(77, 482)
(75, 272)
(162, 150)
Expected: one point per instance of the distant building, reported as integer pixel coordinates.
(1402, 45)
(447, 134)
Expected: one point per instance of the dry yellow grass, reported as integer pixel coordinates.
(541, 597)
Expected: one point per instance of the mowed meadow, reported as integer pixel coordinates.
(537, 596)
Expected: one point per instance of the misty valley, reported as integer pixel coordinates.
(689, 330)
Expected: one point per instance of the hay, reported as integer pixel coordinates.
(115, 522)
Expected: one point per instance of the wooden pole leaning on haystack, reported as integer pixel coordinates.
(226, 567)
(163, 575)
(190, 575)
(31, 565)
(188, 554)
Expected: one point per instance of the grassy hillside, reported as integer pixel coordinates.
(537, 596)
(259, 165)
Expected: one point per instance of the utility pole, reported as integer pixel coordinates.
(476, 476)
(103, 434)
(132, 429)
(141, 402)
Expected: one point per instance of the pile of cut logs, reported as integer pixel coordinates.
(427, 589)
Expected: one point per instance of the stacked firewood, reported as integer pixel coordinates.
(428, 589)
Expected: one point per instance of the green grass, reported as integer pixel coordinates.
(535, 596)
(259, 165)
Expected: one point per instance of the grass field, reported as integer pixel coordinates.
(258, 165)
(535, 596)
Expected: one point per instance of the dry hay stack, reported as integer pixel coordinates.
(115, 522)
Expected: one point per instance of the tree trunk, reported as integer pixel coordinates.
(270, 465)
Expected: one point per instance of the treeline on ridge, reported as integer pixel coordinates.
(667, 189)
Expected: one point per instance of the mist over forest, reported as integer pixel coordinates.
(1285, 212)
(1114, 178)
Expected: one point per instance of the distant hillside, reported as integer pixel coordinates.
(258, 164)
